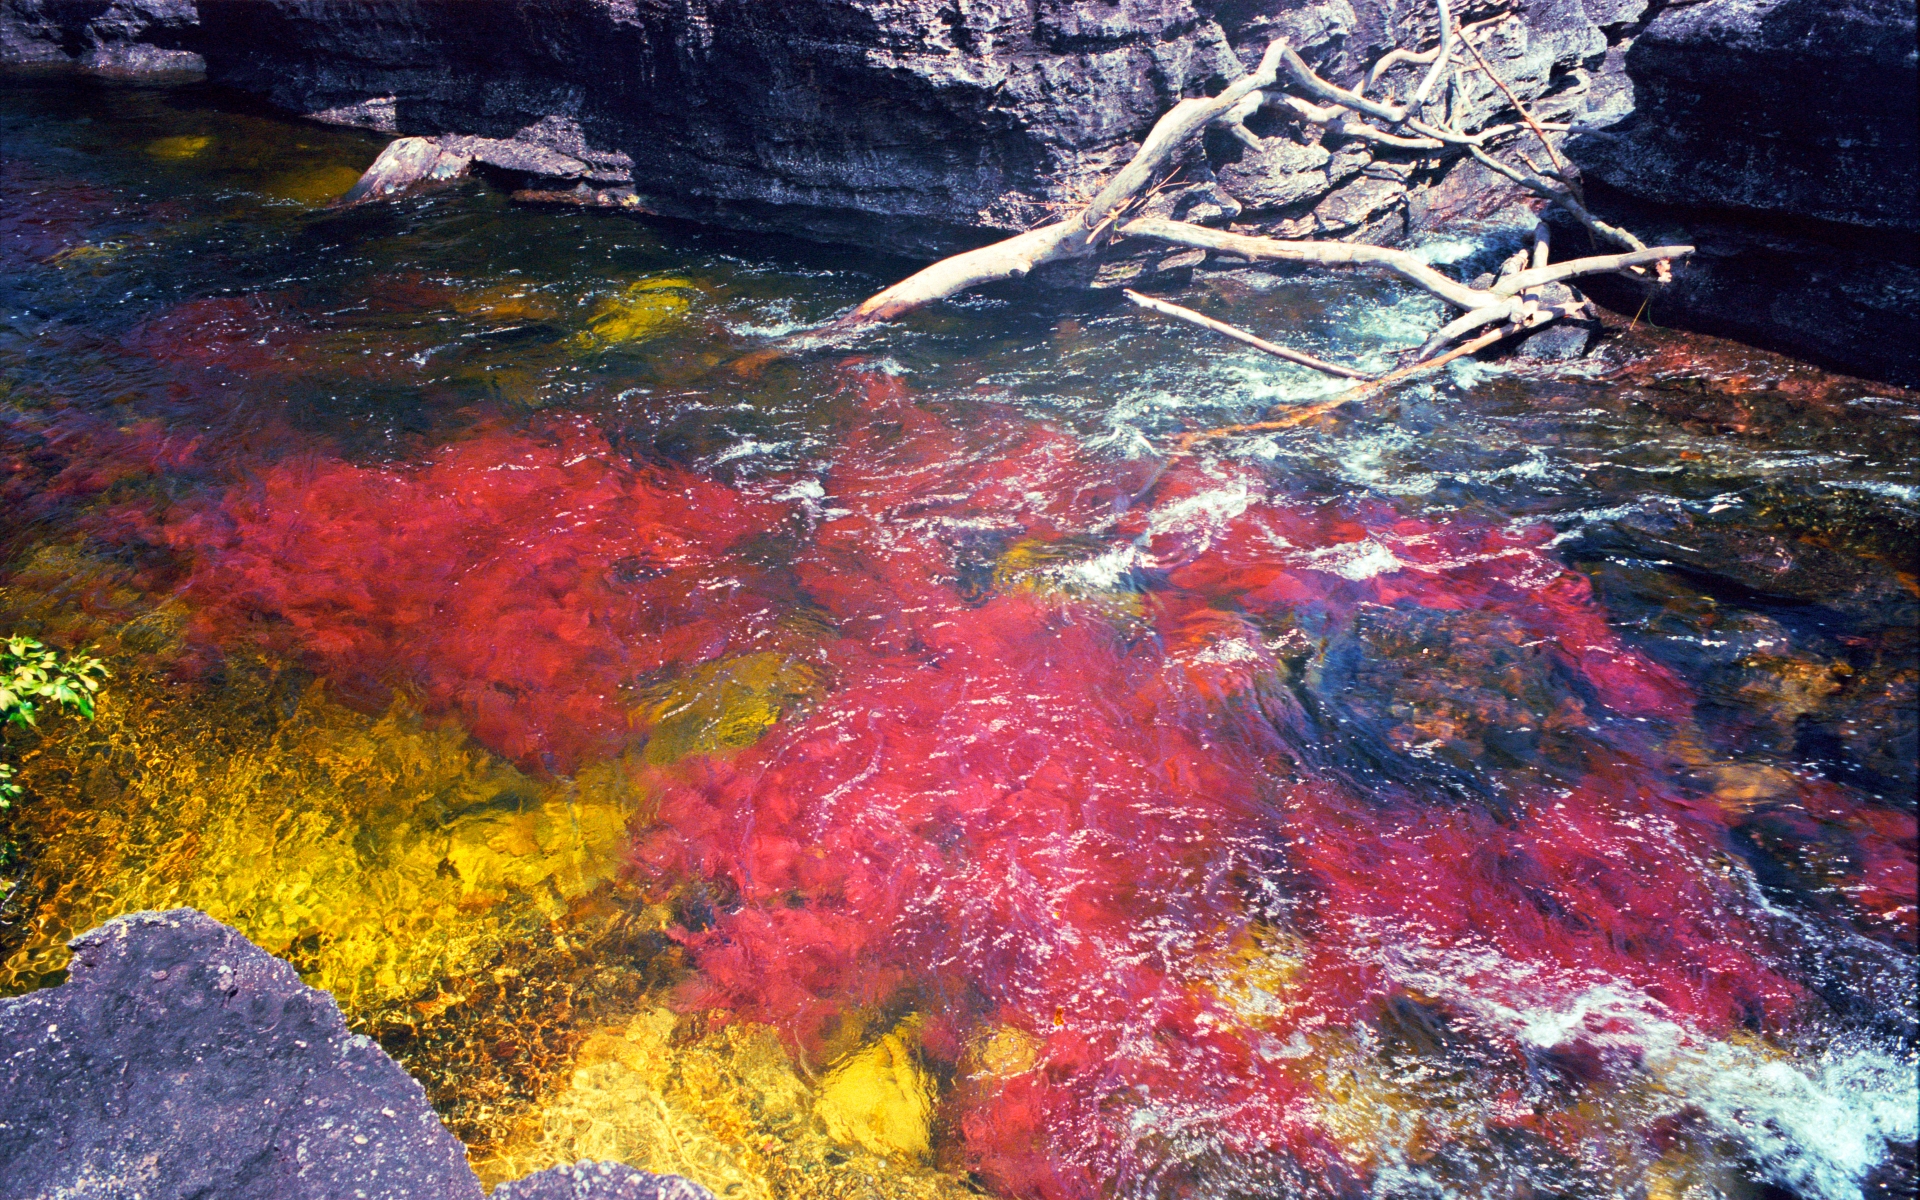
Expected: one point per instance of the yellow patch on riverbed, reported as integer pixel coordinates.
(721, 1103)
(722, 706)
(180, 147)
(644, 309)
(379, 854)
(879, 1097)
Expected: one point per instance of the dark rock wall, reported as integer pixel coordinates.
(1783, 138)
(910, 125)
(1803, 108)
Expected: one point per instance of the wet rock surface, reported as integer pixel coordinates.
(599, 1181)
(181, 1060)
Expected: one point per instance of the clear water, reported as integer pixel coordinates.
(883, 771)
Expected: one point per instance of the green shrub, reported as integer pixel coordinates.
(32, 677)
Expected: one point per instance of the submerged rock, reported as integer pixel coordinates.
(180, 1060)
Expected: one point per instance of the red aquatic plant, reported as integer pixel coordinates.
(1057, 808)
(519, 581)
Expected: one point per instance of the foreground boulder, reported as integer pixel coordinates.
(180, 1060)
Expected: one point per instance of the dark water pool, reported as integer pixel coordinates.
(886, 772)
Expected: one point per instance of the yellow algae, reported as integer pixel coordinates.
(1006, 1052)
(722, 706)
(180, 147)
(506, 302)
(643, 310)
(380, 854)
(1039, 566)
(86, 252)
(880, 1097)
(1253, 975)
(315, 185)
(718, 1102)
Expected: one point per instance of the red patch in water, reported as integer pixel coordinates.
(518, 581)
(1037, 813)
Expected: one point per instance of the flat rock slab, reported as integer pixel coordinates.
(180, 1060)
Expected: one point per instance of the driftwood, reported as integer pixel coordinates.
(1300, 414)
(1284, 81)
(1179, 313)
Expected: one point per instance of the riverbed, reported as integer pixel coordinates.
(886, 769)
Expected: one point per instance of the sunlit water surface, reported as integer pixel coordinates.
(883, 771)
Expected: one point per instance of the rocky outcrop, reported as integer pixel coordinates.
(180, 1060)
(1794, 108)
(1780, 136)
(136, 36)
(916, 126)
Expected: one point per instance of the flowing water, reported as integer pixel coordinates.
(884, 772)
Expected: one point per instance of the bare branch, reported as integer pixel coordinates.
(1303, 413)
(1409, 266)
(1559, 163)
(1560, 196)
(1597, 265)
(1240, 335)
(1079, 235)
(1339, 121)
(1441, 61)
(1303, 75)
(1184, 121)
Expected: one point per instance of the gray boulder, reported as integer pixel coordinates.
(179, 1061)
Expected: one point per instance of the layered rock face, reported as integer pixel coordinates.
(179, 1060)
(916, 126)
(1780, 135)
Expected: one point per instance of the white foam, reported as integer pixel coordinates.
(1817, 1127)
(1353, 560)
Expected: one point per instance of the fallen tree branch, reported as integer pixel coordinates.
(1408, 266)
(1191, 317)
(1563, 198)
(1598, 264)
(1552, 153)
(1441, 61)
(1300, 415)
(1511, 303)
(1078, 235)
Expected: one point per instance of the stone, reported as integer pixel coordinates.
(405, 164)
(1800, 108)
(181, 1061)
(599, 1181)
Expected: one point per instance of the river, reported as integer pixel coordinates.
(885, 771)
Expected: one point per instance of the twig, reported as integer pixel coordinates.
(1167, 308)
(1561, 197)
(1558, 163)
(1185, 442)
(1441, 61)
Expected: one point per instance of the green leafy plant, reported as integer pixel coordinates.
(33, 677)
